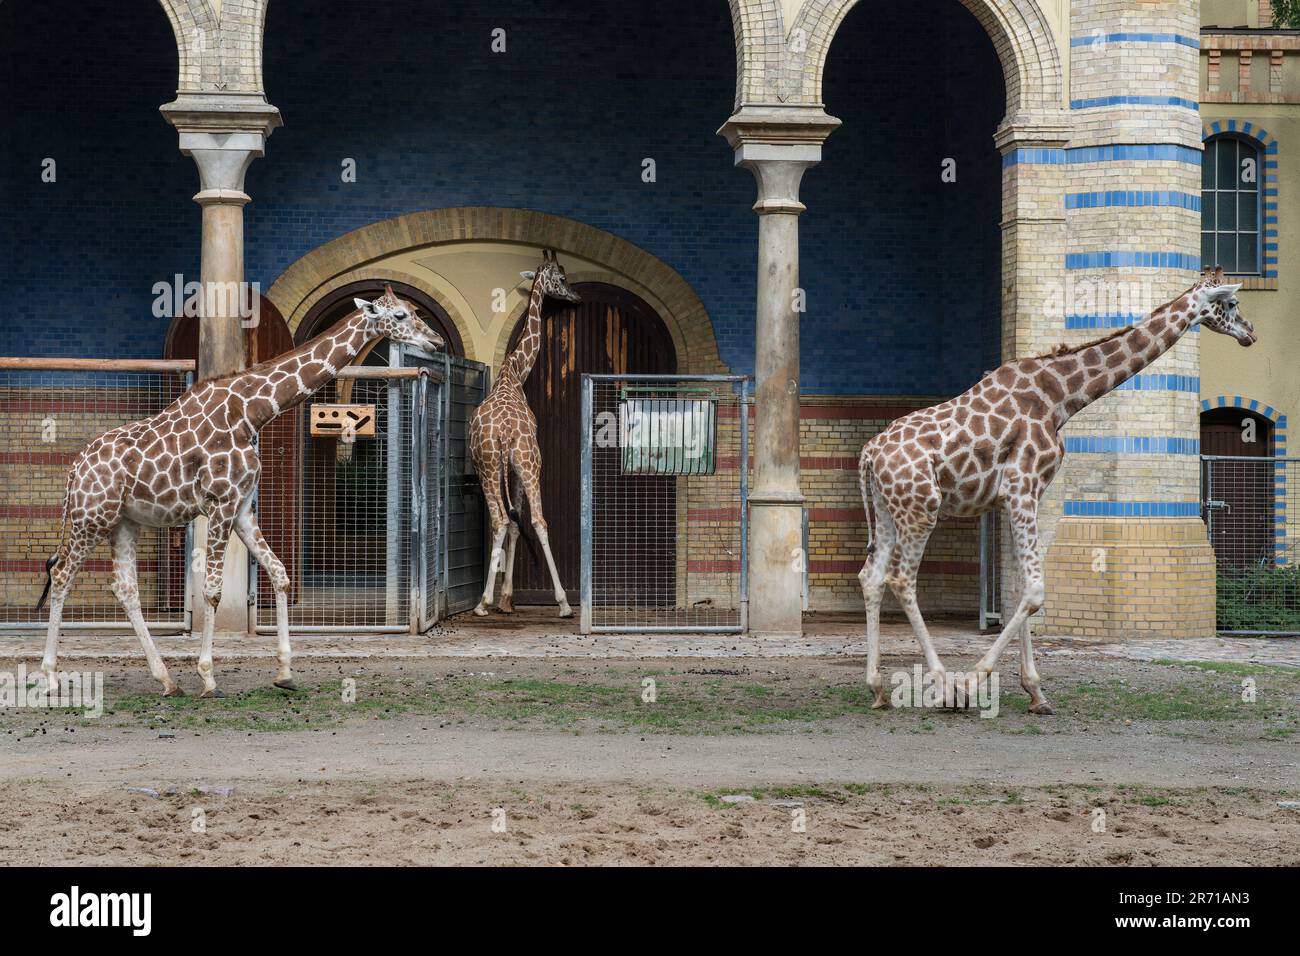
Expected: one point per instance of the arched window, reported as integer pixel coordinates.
(1230, 205)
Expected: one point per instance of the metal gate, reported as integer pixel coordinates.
(381, 520)
(1245, 503)
(52, 408)
(665, 481)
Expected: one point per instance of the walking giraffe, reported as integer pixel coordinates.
(998, 446)
(197, 457)
(503, 438)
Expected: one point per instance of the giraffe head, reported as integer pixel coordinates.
(1214, 305)
(551, 278)
(394, 319)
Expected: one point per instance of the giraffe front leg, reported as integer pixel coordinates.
(251, 534)
(220, 522)
(127, 591)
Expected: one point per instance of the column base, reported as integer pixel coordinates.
(776, 566)
(1115, 579)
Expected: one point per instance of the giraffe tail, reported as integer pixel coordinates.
(62, 549)
(864, 483)
(505, 487)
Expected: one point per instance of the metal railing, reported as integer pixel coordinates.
(665, 479)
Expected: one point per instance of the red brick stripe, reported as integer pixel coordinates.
(31, 511)
(37, 457)
(962, 568)
(37, 566)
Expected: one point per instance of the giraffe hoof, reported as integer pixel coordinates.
(215, 692)
(174, 691)
(566, 611)
(880, 703)
(1043, 710)
(286, 685)
(480, 611)
(505, 607)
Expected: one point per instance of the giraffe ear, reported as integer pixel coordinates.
(368, 308)
(530, 276)
(1221, 293)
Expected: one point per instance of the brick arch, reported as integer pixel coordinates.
(761, 71)
(346, 259)
(1019, 31)
(1269, 181)
(218, 44)
(1281, 539)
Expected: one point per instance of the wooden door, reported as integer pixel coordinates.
(279, 443)
(610, 331)
(1241, 525)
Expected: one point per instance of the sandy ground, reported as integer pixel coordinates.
(582, 770)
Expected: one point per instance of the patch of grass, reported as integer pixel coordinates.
(1114, 700)
(1233, 667)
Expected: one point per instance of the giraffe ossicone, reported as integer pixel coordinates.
(197, 457)
(997, 447)
(503, 445)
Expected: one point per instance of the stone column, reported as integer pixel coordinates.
(1130, 555)
(777, 144)
(223, 133)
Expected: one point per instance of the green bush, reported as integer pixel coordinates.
(1286, 13)
(1261, 598)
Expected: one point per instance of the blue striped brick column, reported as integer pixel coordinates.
(1129, 553)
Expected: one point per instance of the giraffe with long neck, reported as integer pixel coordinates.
(997, 447)
(503, 445)
(198, 457)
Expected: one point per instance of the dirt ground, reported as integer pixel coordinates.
(552, 761)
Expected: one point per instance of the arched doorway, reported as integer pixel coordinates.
(1242, 528)
(610, 331)
(339, 303)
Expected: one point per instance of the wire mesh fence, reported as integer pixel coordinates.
(337, 509)
(50, 411)
(665, 464)
(1245, 503)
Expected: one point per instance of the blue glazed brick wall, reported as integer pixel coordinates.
(901, 270)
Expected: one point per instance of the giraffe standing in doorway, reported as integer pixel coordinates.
(998, 446)
(197, 457)
(503, 445)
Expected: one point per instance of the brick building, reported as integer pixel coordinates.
(1008, 175)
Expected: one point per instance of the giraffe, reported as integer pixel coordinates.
(197, 457)
(998, 447)
(503, 444)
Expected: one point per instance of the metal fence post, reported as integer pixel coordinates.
(417, 561)
(585, 593)
(744, 506)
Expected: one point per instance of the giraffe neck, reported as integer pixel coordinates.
(290, 379)
(520, 362)
(1099, 368)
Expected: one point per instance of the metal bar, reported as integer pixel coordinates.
(585, 576)
(667, 629)
(610, 377)
(392, 372)
(744, 505)
(1247, 458)
(416, 535)
(309, 629)
(38, 627)
(96, 365)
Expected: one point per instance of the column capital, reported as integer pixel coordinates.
(223, 133)
(1050, 130)
(776, 144)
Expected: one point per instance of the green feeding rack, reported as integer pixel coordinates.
(671, 434)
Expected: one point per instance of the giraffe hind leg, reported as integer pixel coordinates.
(82, 541)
